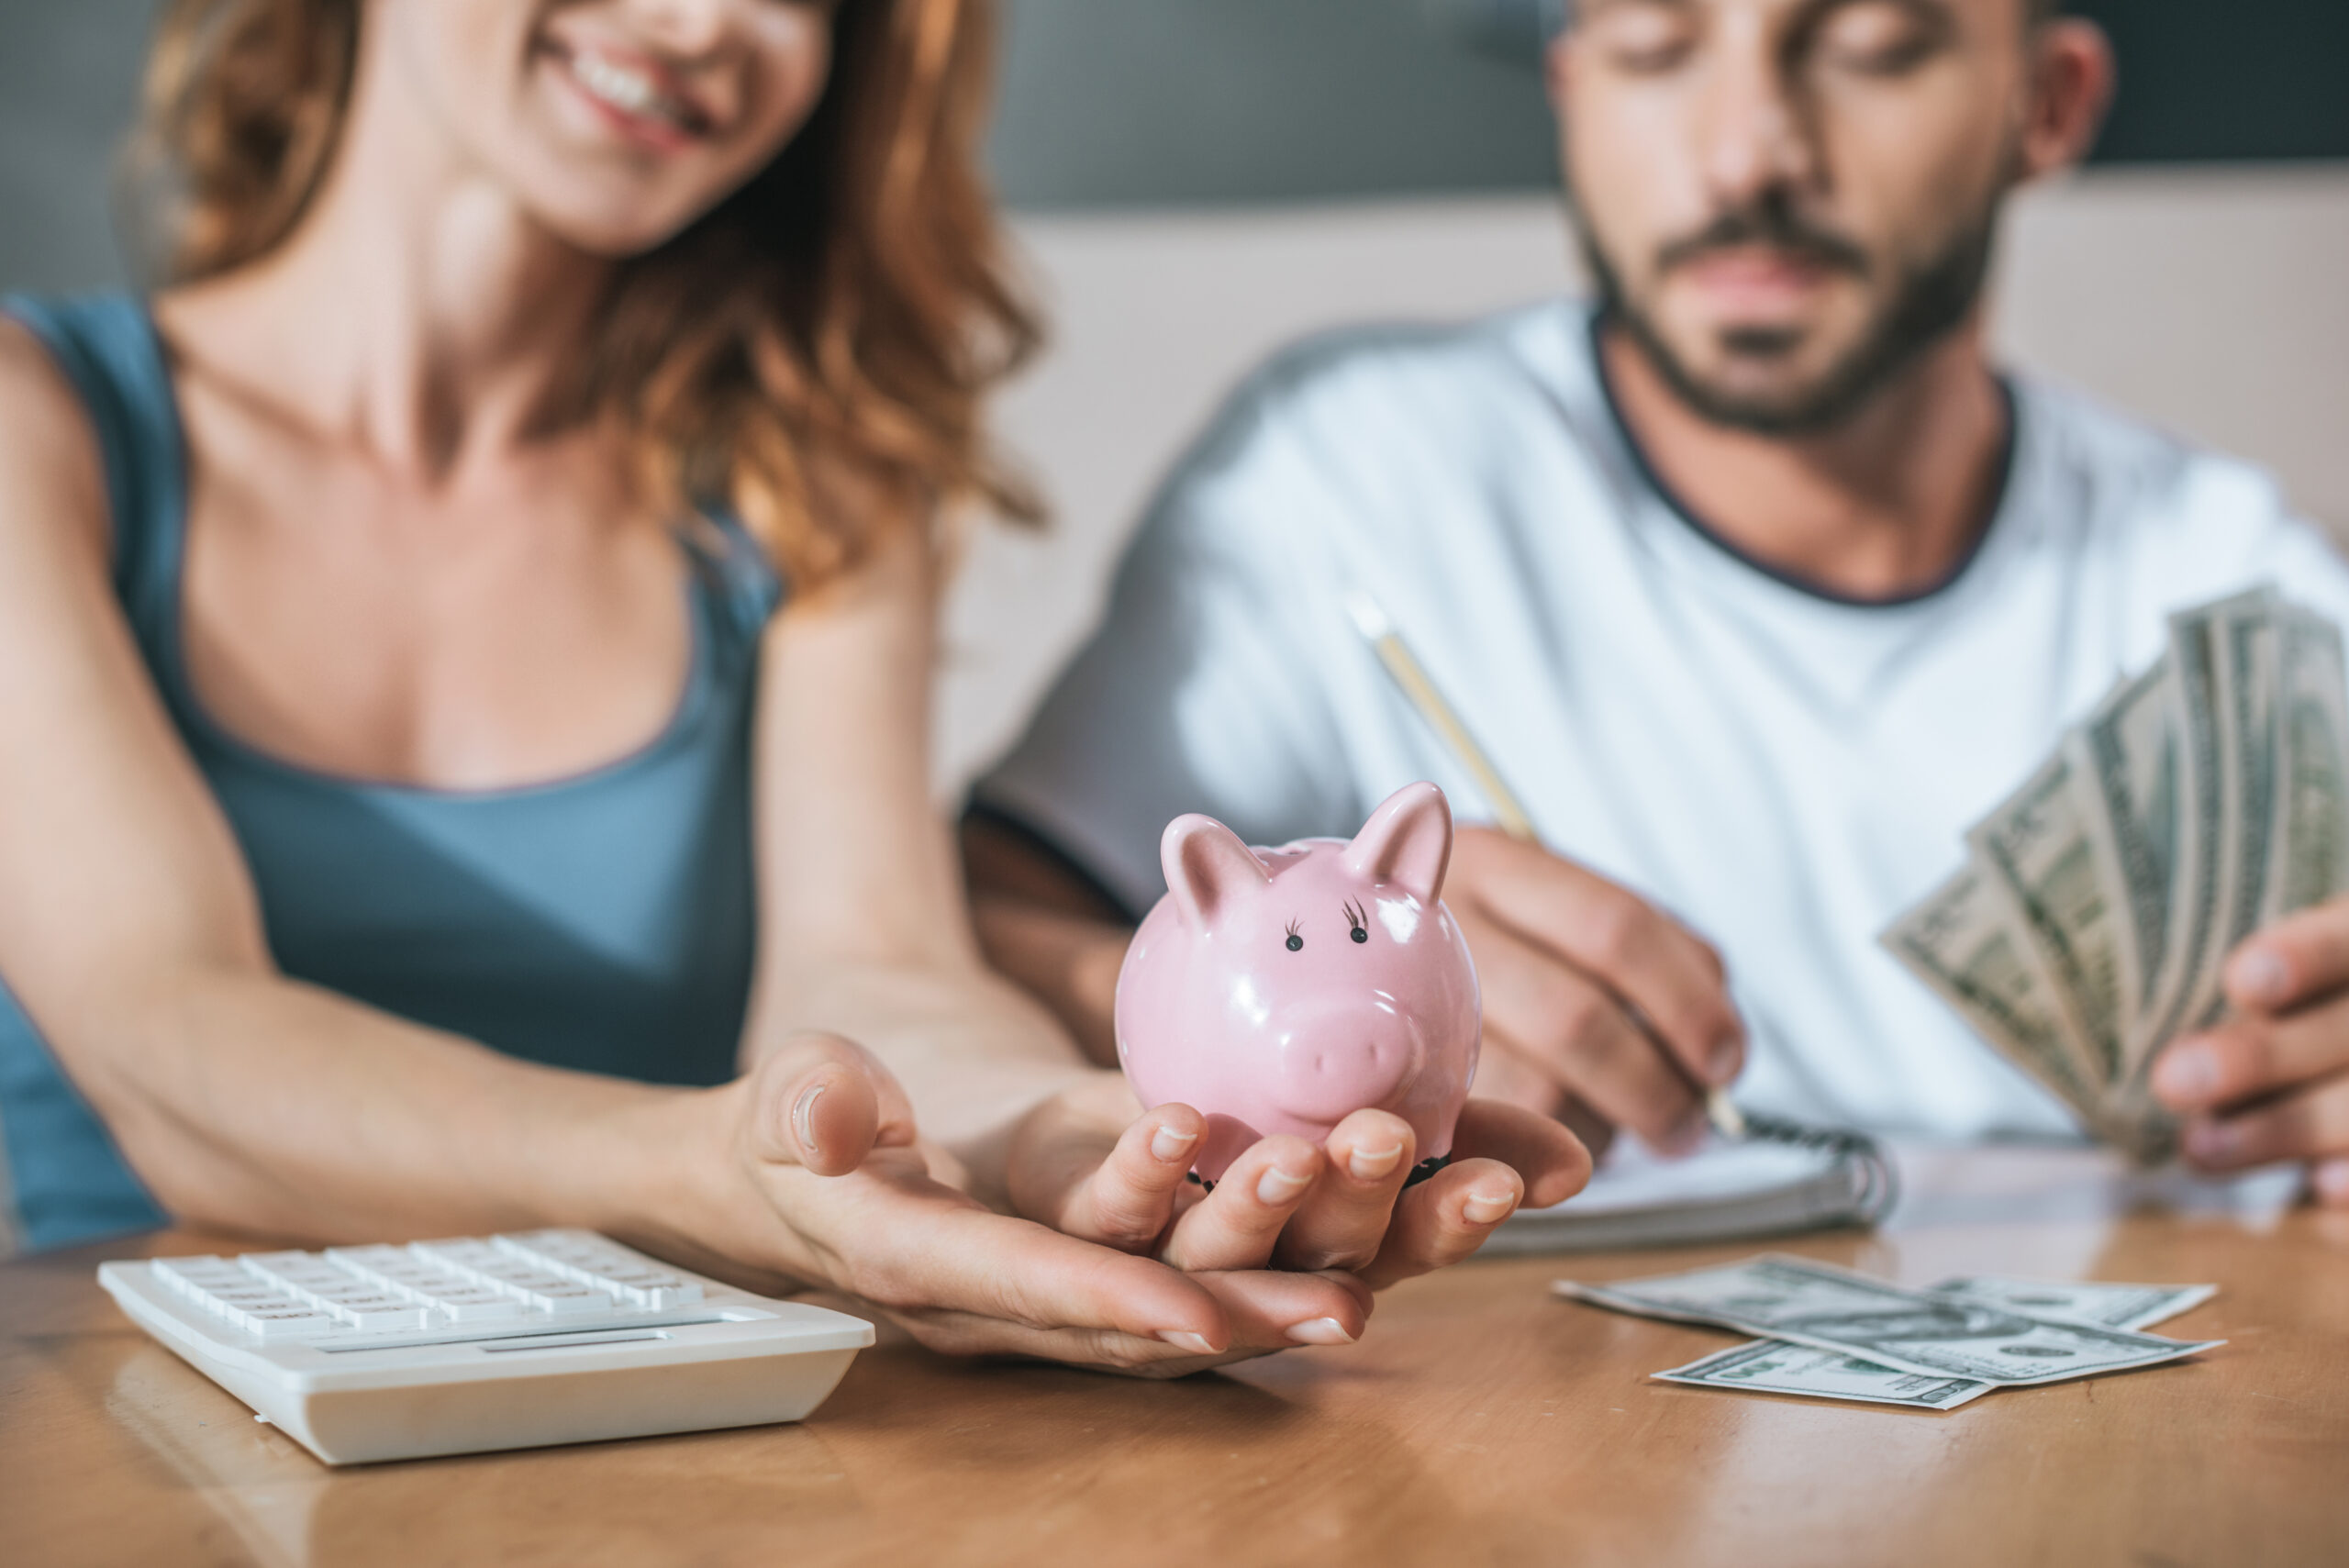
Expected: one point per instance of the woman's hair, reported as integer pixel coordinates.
(811, 354)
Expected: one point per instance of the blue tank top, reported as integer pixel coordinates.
(602, 922)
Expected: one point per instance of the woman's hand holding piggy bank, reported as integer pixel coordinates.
(1302, 1024)
(1282, 990)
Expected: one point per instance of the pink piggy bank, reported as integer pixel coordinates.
(1281, 990)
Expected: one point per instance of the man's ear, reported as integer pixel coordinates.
(2071, 88)
(1207, 866)
(1406, 842)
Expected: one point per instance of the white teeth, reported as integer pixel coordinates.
(630, 91)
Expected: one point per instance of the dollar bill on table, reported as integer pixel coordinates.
(2093, 917)
(1969, 1335)
(1774, 1366)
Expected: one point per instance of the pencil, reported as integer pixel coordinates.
(1411, 678)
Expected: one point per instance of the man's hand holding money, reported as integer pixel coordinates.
(2272, 1081)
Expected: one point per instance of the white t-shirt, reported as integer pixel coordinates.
(1782, 771)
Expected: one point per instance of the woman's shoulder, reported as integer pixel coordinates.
(52, 472)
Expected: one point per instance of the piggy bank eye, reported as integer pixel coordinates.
(1295, 942)
(1357, 922)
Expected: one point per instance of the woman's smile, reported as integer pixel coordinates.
(632, 93)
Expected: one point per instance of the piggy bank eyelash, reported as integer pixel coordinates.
(1357, 921)
(1296, 941)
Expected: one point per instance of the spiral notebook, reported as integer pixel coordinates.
(1779, 1179)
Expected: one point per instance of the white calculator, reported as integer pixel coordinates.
(364, 1353)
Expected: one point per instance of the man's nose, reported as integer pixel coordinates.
(1754, 131)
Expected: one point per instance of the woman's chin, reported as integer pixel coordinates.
(601, 226)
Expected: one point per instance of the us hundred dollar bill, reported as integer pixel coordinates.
(2202, 799)
(1962, 941)
(2100, 1302)
(2309, 850)
(2132, 753)
(2049, 871)
(1774, 1366)
(2212, 796)
(1921, 1332)
(2221, 717)
(2250, 680)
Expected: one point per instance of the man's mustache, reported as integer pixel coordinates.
(1772, 225)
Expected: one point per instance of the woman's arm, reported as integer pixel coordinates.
(131, 932)
(863, 925)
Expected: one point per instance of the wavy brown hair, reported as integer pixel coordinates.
(811, 354)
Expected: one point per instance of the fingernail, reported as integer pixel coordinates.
(2188, 1072)
(1728, 1054)
(1369, 1164)
(2260, 974)
(803, 1117)
(1278, 1187)
(2210, 1141)
(1484, 1208)
(1320, 1332)
(1171, 1144)
(1183, 1339)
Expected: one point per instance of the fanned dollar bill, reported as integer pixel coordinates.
(1774, 1366)
(2093, 920)
(2044, 863)
(2217, 746)
(1926, 1333)
(2250, 682)
(2131, 752)
(1961, 942)
(2308, 851)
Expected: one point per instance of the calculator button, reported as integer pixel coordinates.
(373, 1257)
(569, 1298)
(477, 1306)
(383, 1318)
(198, 1277)
(460, 1254)
(600, 1266)
(292, 1323)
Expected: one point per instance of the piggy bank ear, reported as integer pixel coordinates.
(1407, 841)
(1207, 866)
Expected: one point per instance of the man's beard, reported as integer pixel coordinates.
(1927, 303)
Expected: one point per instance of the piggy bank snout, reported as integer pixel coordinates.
(1339, 1060)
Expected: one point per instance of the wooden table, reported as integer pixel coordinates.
(1480, 1421)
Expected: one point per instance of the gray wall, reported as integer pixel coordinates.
(1201, 102)
(69, 74)
(1139, 103)
(1155, 102)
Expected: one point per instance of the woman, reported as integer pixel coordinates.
(428, 809)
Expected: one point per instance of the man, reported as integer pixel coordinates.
(1757, 583)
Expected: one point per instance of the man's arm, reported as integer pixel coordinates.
(1047, 927)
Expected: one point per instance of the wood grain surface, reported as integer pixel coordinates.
(1480, 1421)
